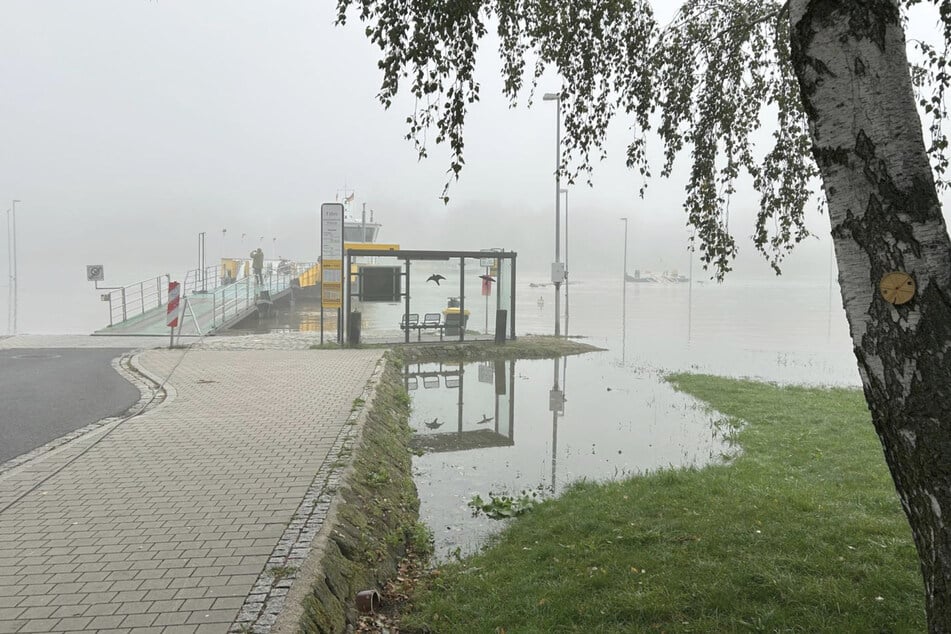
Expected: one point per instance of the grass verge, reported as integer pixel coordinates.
(525, 347)
(801, 532)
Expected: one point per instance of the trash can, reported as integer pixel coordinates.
(353, 328)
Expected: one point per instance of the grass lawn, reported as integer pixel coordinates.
(802, 532)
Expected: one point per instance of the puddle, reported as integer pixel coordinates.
(503, 428)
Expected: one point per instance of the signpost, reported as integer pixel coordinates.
(95, 273)
(491, 266)
(171, 312)
(331, 262)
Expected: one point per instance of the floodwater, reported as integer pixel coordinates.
(501, 428)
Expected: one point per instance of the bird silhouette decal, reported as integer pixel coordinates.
(487, 278)
(485, 419)
(435, 277)
(435, 424)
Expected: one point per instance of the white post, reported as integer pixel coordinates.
(558, 216)
(16, 282)
(565, 192)
(690, 294)
(9, 276)
(556, 97)
(624, 298)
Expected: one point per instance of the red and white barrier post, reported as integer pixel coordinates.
(174, 296)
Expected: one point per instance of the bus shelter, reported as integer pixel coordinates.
(394, 283)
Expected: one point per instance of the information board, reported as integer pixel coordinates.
(331, 255)
(486, 262)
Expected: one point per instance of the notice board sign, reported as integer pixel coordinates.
(331, 255)
(486, 262)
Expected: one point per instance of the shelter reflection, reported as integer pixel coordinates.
(460, 414)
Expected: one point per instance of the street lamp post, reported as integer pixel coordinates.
(624, 297)
(9, 276)
(557, 272)
(201, 260)
(13, 274)
(565, 192)
(625, 249)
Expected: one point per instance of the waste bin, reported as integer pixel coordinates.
(454, 323)
(353, 328)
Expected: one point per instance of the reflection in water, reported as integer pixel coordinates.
(295, 316)
(619, 423)
(470, 432)
(556, 403)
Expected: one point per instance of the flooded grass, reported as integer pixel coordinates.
(507, 430)
(802, 531)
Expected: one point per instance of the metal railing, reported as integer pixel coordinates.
(128, 302)
(202, 280)
(231, 300)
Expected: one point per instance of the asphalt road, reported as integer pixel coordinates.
(46, 393)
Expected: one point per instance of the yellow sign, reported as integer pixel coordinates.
(331, 286)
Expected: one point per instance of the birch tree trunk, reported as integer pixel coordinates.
(850, 58)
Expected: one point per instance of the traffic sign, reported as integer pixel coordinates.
(95, 273)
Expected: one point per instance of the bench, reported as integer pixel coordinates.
(433, 321)
(409, 322)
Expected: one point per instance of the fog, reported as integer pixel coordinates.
(131, 126)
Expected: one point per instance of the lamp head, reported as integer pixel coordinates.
(551, 96)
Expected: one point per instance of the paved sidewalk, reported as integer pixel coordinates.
(166, 522)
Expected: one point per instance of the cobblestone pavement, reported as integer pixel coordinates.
(164, 523)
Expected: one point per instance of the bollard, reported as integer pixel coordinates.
(354, 327)
(501, 318)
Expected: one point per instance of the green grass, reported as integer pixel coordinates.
(281, 572)
(802, 532)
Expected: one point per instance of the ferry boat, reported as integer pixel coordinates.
(360, 229)
(647, 278)
(356, 230)
(674, 277)
(356, 227)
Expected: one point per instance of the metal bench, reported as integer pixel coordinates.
(409, 322)
(432, 321)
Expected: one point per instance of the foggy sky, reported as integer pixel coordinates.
(129, 126)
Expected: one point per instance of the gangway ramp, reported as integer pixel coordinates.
(207, 304)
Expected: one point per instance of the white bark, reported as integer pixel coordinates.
(852, 104)
(867, 139)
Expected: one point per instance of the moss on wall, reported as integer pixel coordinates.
(377, 509)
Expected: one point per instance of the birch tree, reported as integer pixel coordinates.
(832, 80)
